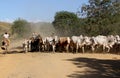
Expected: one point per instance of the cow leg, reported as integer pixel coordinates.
(40, 47)
(47, 48)
(33, 47)
(83, 49)
(43, 47)
(26, 49)
(72, 48)
(53, 48)
(108, 48)
(93, 48)
(77, 47)
(29, 47)
(103, 48)
(67, 48)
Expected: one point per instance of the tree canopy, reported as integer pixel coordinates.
(102, 13)
(98, 17)
(65, 21)
(20, 27)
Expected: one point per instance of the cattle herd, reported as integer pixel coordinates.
(73, 44)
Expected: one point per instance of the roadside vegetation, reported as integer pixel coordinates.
(98, 17)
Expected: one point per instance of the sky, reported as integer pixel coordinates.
(36, 10)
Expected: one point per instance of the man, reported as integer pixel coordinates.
(5, 41)
(6, 38)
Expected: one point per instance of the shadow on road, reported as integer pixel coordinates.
(96, 68)
(13, 50)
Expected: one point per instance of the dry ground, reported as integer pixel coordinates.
(57, 65)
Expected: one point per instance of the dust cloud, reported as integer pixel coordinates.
(42, 28)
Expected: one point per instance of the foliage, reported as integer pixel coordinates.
(64, 22)
(101, 16)
(20, 27)
(97, 17)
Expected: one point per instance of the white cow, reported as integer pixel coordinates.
(88, 41)
(50, 42)
(105, 41)
(77, 42)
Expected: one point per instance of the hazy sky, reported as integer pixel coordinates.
(36, 10)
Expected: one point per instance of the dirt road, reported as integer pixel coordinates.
(58, 65)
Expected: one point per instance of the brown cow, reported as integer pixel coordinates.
(64, 43)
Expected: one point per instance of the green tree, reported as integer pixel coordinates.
(64, 22)
(100, 16)
(20, 27)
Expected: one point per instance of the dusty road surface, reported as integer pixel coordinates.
(58, 65)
